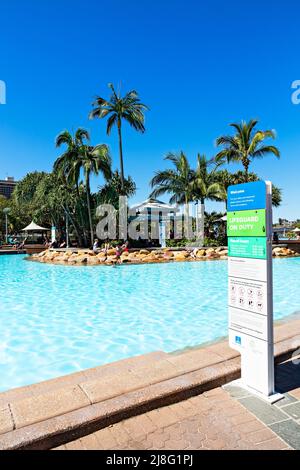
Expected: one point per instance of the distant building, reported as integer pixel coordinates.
(7, 186)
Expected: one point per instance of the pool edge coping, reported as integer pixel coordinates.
(91, 416)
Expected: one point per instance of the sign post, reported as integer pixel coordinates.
(250, 284)
(162, 233)
(53, 234)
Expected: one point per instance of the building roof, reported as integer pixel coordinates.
(154, 205)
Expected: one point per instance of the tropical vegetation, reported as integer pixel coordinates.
(80, 157)
(185, 184)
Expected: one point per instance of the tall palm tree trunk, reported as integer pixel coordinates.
(246, 167)
(88, 199)
(82, 224)
(75, 225)
(80, 208)
(121, 154)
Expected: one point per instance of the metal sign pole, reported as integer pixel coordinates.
(269, 220)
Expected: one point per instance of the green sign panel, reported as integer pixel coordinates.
(248, 247)
(246, 223)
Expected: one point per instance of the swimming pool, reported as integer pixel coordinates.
(55, 320)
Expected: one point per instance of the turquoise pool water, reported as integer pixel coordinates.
(55, 320)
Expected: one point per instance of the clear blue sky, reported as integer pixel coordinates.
(199, 65)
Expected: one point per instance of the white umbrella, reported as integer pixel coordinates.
(296, 230)
(34, 228)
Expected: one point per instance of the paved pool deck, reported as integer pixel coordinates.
(65, 409)
(227, 418)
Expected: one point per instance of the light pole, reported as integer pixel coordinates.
(6, 211)
(67, 229)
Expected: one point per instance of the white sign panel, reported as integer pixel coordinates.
(252, 324)
(248, 268)
(255, 368)
(248, 295)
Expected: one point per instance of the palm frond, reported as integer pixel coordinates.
(262, 151)
(112, 120)
(80, 135)
(63, 138)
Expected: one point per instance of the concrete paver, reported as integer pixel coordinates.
(213, 420)
(222, 418)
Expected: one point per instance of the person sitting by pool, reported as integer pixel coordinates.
(63, 244)
(118, 255)
(118, 251)
(96, 246)
(22, 244)
(47, 242)
(15, 243)
(54, 244)
(194, 253)
(106, 247)
(125, 247)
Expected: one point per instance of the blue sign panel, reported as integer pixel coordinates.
(247, 196)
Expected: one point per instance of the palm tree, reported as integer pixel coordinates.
(176, 182)
(276, 196)
(63, 167)
(110, 191)
(93, 160)
(246, 145)
(118, 108)
(64, 164)
(212, 220)
(205, 185)
(82, 157)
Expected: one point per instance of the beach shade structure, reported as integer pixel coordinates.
(296, 230)
(33, 227)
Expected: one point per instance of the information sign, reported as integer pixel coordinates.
(250, 294)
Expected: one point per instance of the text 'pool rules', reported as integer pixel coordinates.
(250, 283)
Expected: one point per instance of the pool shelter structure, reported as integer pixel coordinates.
(33, 227)
(155, 211)
(31, 230)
